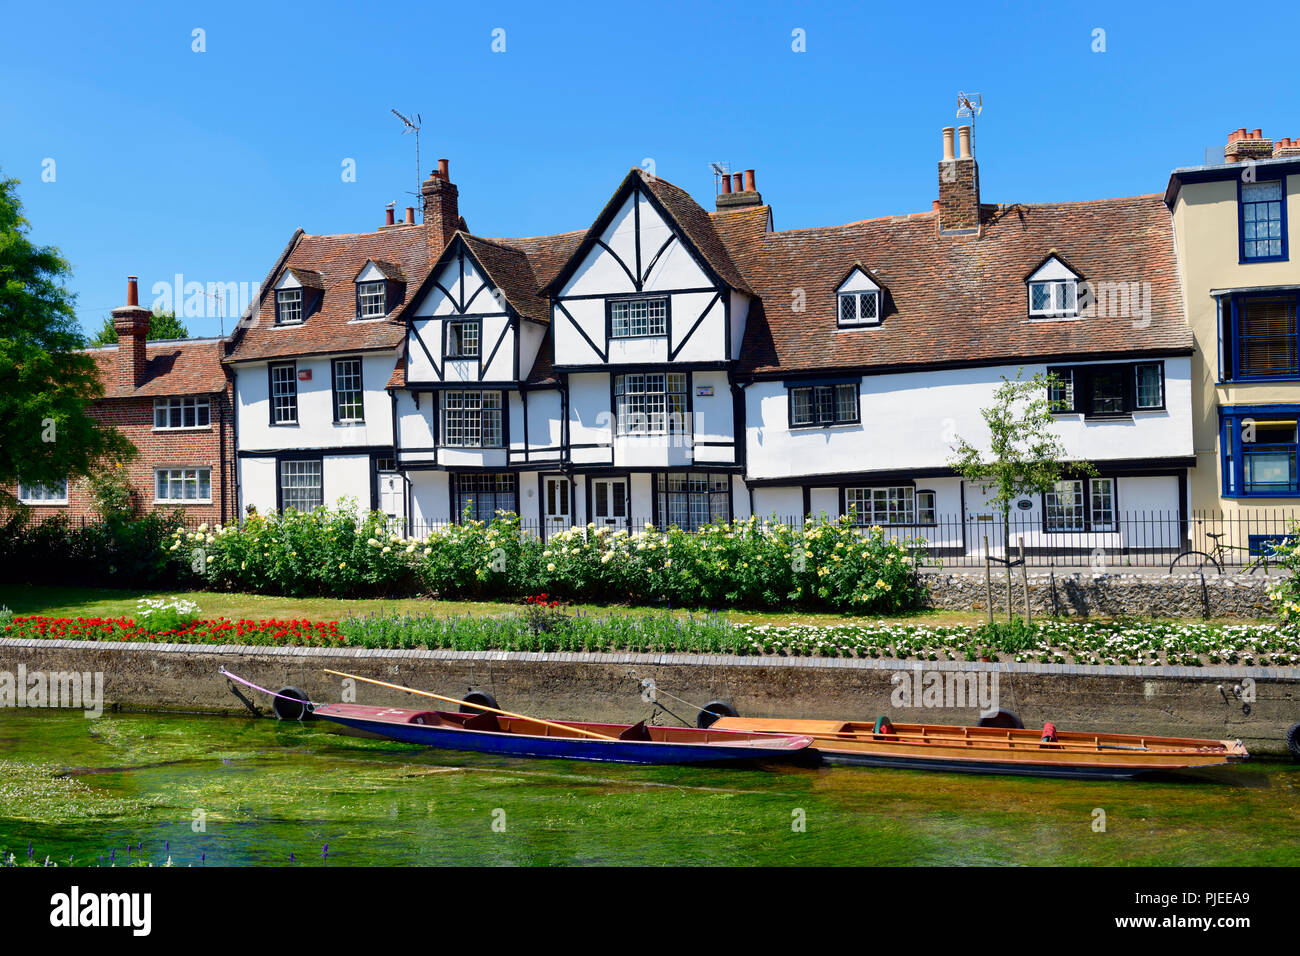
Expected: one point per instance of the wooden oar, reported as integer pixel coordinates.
(469, 703)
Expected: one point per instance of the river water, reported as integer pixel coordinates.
(235, 791)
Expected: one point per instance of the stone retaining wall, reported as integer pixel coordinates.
(1186, 701)
(1084, 594)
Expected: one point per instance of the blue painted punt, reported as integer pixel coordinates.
(513, 737)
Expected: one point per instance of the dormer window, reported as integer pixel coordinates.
(372, 300)
(297, 295)
(380, 287)
(1053, 290)
(858, 300)
(288, 306)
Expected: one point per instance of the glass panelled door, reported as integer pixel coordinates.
(609, 502)
(557, 511)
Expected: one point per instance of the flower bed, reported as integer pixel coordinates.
(215, 631)
(546, 626)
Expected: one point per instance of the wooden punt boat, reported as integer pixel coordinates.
(999, 749)
(569, 740)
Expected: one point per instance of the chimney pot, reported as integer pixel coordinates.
(441, 205)
(132, 290)
(1258, 134)
(410, 215)
(388, 216)
(726, 183)
(749, 181)
(948, 133)
(737, 182)
(963, 143)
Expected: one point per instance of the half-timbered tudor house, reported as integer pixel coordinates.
(670, 365)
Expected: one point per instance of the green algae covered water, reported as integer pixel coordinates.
(237, 791)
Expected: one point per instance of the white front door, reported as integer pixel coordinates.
(609, 502)
(557, 506)
(392, 494)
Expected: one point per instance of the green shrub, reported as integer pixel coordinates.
(828, 564)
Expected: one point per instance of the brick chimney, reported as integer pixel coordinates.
(1286, 147)
(1243, 146)
(959, 186)
(739, 192)
(131, 322)
(441, 209)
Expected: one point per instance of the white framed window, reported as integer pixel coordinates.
(901, 504)
(1101, 503)
(629, 318)
(1057, 298)
(349, 399)
(1075, 505)
(1149, 389)
(471, 419)
(169, 413)
(650, 403)
(288, 306)
(372, 300)
(300, 485)
(183, 485)
(284, 394)
(859, 308)
(462, 340)
(54, 493)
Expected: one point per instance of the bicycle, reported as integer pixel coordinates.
(1192, 560)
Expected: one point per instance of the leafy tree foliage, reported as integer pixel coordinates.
(46, 386)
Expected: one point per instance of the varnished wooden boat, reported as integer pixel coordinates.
(568, 740)
(998, 749)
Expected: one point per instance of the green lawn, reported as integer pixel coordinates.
(111, 602)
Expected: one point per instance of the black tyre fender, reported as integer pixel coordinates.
(291, 709)
(1293, 740)
(712, 711)
(478, 697)
(1003, 718)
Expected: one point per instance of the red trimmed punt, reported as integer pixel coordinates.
(1000, 750)
(518, 737)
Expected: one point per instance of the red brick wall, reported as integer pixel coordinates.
(212, 447)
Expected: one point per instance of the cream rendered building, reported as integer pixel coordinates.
(1235, 228)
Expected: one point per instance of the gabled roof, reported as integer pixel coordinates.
(954, 300)
(179, 367)
(677, 207)
(337, 259)
(307, 278)
(387, 269)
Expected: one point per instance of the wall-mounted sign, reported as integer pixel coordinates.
(704, 391)
(1024, 504)
(304, 375)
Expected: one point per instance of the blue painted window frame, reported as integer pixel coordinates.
(1232, 472)
(1232, 347)
(1241, 225)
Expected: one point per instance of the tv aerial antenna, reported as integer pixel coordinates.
(720, 172)
(412, 127)
(970, 104)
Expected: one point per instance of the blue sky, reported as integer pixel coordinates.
(172, 161)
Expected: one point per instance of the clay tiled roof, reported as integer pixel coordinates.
(191, 367)
(953, 300)
(332, 328)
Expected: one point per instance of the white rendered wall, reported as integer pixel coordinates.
(316, 427)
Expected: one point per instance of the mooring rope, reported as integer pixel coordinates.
(248, 683)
